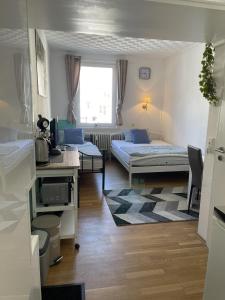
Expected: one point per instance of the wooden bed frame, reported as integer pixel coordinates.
(150, 169)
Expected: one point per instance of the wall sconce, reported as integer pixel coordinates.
(146, 101)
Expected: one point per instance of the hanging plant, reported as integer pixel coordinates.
(207, 82)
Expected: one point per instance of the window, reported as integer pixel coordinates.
(96, 95)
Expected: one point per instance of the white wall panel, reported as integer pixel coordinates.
(185, 112)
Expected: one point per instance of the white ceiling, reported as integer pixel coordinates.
(16, 38)
(114, 45)
(178, 20)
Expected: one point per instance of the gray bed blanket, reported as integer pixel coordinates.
(154, 150)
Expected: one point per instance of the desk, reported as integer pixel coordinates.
(67, 167)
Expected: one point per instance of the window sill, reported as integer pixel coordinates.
(97, 129)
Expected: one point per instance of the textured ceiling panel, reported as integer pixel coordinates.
(16, 38)
(97, 44)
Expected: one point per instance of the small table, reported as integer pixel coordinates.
(67, 167)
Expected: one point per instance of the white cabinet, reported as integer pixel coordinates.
(67, 168)
(214, 286)
(19, 251)
(19, 257)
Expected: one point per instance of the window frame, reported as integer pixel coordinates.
(114, 93)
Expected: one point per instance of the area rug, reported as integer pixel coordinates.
(140, 206)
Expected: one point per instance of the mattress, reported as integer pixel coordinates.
(163, 160)
(12, 153)
(90, 152)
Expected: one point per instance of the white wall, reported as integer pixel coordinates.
(41, 105)
(133, 114)
(58, 85)
(136, 89)
(9, 103)
(185, 113)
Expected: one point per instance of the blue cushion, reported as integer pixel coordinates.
(140, 136)
(127, 135)
(73, 136)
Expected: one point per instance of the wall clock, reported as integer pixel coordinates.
(144, 73)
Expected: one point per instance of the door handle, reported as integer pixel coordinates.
(220, 157)
(220, 150)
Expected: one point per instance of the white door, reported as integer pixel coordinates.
(218, 187)
(214, 287)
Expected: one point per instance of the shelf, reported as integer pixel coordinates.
(42, 208)
(67, 229)
(69, 216)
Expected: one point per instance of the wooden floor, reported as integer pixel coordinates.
(140, 262)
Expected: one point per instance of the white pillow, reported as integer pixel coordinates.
(127, 135)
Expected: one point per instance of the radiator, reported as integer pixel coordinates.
(103, 140)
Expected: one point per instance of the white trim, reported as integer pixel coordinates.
(97, 63)
(219, 5)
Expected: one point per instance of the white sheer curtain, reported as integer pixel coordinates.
(22, 76)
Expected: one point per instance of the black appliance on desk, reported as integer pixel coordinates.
(42, 142)
(45, 145)
(54, 137)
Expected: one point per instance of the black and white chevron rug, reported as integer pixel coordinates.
(154, 205)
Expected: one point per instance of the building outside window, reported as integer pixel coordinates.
(96, 104)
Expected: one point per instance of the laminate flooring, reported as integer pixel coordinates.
(164, 261)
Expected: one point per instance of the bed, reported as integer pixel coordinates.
(90, 156)
(158, 156)
(91, 159)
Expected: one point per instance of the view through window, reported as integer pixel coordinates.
(96, 95)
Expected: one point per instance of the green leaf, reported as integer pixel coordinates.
(207, 84)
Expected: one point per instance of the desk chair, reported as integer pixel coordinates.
(196, 165)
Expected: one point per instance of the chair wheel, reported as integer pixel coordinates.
(77, 246)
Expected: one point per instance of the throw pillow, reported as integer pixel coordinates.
(140, 136)
(73, 136)
(127, 135)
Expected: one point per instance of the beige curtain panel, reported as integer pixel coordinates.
(73, 75)
(121, 77)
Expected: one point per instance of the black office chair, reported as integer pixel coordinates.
(196, 165)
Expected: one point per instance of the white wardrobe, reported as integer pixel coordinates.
(19, 254)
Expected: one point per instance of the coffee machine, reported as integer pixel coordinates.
(42, 141)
